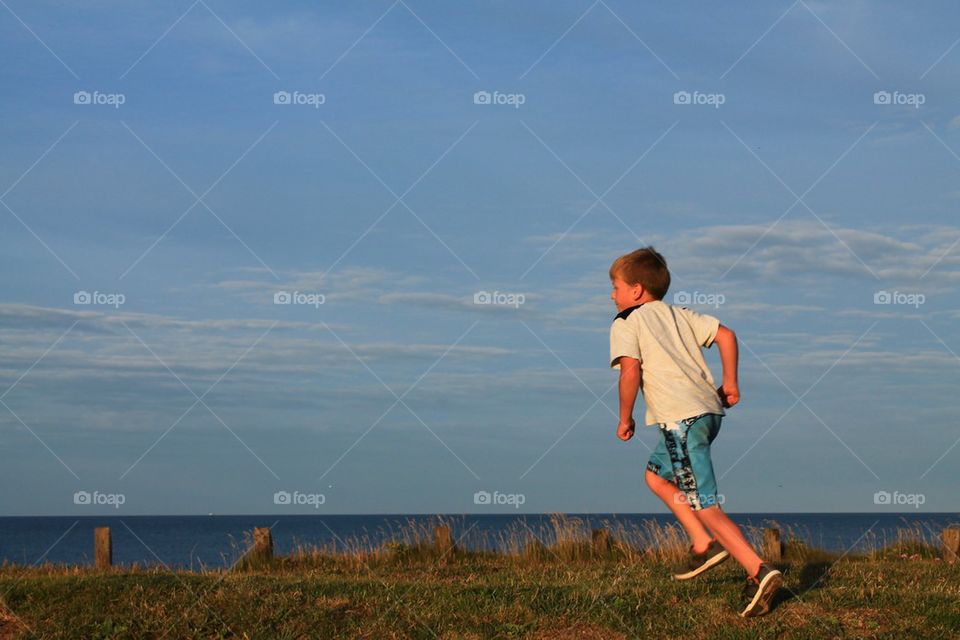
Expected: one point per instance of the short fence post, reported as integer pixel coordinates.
(951, 544)
(262, 543)
(601, 541)
(102, 548)
(443, 539)
(771, 545)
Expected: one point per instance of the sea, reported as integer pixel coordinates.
(215, 541)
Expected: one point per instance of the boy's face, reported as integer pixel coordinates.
(625, 295)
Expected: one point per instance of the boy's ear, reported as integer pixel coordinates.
(638, 291)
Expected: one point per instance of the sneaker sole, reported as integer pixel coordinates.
(760, 605)
(709, 564)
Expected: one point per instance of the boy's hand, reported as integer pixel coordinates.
(729, 394)
(625, 429)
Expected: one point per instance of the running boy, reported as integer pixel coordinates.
(657, 347)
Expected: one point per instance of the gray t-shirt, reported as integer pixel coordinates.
(667, 340)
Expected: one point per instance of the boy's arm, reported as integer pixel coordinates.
(629, 388)
(726, 341)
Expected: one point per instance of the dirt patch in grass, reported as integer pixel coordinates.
(576, 631)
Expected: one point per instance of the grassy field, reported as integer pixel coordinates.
(567, 590)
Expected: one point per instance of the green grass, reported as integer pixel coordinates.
(481, 597)
(565, 591)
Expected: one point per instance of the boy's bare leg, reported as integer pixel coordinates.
(673, 498)
(730, 536)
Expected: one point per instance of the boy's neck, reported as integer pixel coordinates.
(643, 300)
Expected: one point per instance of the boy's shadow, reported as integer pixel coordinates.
(813, 575)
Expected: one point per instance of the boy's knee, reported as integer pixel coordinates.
(709, 512)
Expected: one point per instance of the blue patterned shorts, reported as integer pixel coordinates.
(683, 457)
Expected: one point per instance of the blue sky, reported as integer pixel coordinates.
(784, 211)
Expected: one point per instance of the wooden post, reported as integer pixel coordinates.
(601, 541)
(102, 548)
(771, 545)
(951, 544)
(443, 539)
(262, 543)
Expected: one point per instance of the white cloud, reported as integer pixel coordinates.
(100, 346)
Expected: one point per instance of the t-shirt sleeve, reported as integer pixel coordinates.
(623, 342)
(704, 326)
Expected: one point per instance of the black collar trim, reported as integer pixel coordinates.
(623, 314)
